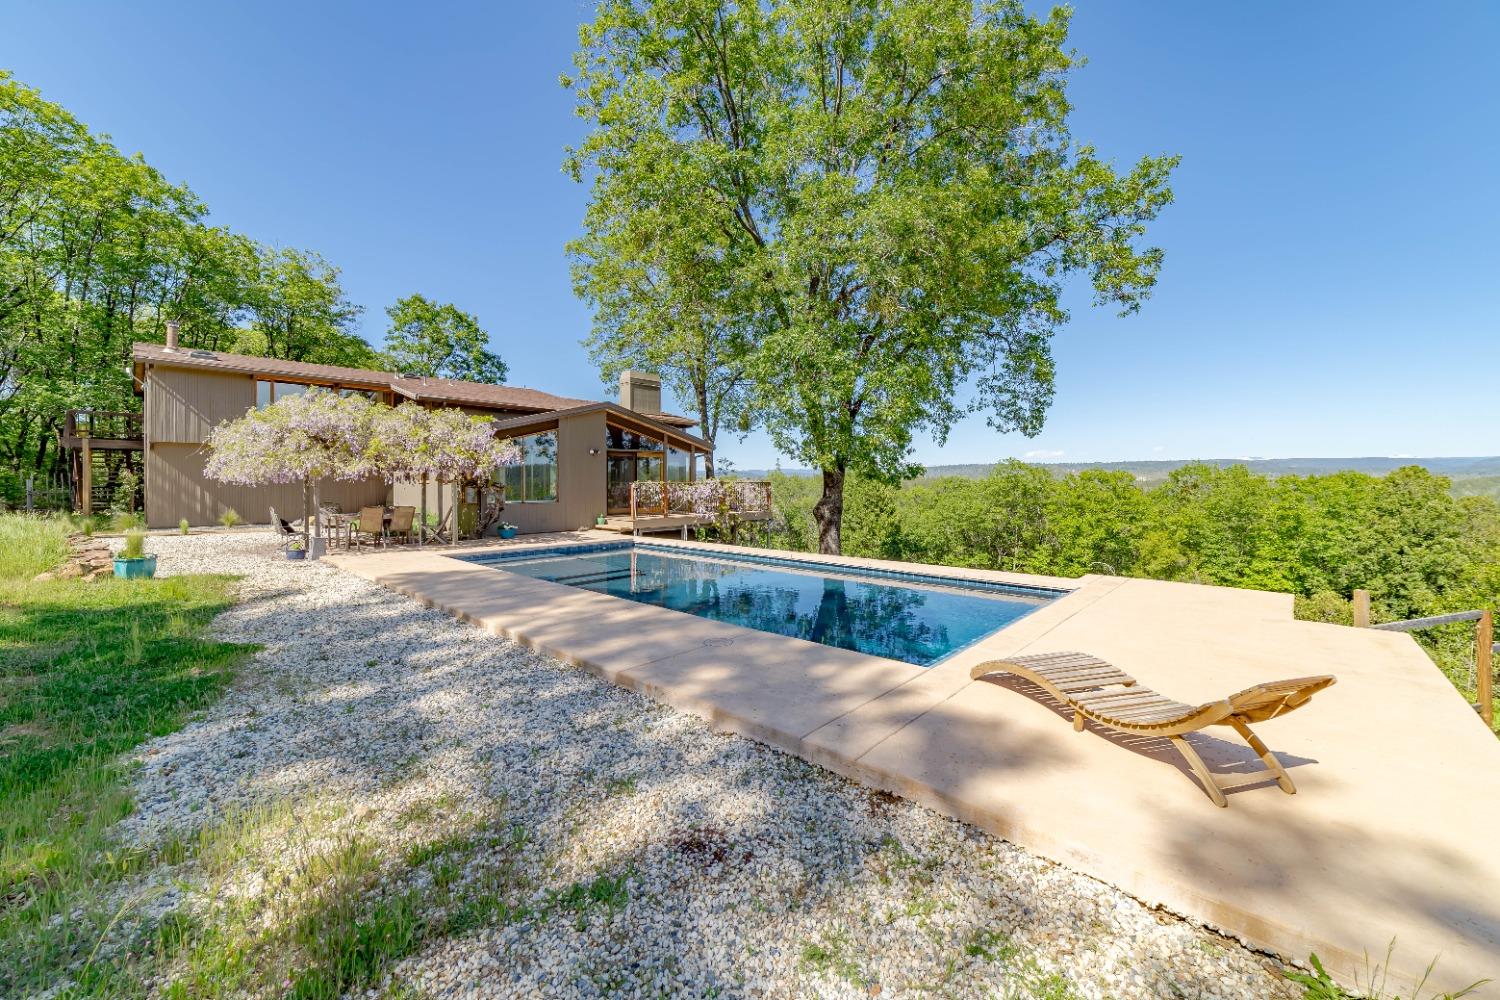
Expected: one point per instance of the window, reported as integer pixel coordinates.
(698, 460)
(679, 465)
(267, 393)
(620, 439)
(534, 479)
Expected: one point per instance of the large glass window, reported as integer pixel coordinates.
(620, 439)
(267, 393)
(698, 463)
(534, 479)
(679, 465)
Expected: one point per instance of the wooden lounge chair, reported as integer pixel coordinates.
(1098, 690)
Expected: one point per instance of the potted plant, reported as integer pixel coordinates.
(508, 530)
(295, 549)
(599, 521)
(133, 563)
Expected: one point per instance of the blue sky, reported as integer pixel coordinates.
(1332, 281)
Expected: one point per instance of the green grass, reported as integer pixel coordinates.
(87, 672)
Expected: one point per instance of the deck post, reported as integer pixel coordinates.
(1484, 640)
(1361, 609)
(86, 499)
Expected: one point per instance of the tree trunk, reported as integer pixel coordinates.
(829, 511)
(306, 506)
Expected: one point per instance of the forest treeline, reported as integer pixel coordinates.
(97, 248)
(1404, 536)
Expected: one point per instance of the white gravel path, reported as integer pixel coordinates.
(710, 865)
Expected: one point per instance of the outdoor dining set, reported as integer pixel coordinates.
(370, 525)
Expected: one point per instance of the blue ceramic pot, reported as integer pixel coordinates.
(507, 532)
(135, 569)
(296, 553)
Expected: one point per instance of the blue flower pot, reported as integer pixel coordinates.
(508, 532)
(135, 569)
(296, 553)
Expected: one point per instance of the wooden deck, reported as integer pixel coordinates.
(680, 523)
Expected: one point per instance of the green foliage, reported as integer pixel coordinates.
(866, 207)
(1319, 985)
(229, 518)
(31, 544)
(98, 250)
(182, 526)
(1404, 537)
(91, 670)
(135, 544)
(439, 340)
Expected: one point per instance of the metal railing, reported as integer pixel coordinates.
(1485, 646)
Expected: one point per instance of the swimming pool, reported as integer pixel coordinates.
(916, 618)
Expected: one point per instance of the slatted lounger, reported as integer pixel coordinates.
(1098, 690)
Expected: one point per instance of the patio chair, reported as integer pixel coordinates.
(371, 525)
(439, 533)
(401, 523)
(283, 528)
(1097, 690)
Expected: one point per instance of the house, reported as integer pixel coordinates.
(579, 456)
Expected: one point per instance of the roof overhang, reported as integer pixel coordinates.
(532, 423)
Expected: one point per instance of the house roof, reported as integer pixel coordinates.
(515, 398)
(650, 421)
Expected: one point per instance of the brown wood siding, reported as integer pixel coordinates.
(178, 489)
(580, 483)
(182, 406)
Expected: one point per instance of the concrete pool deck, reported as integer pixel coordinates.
(1391, 833)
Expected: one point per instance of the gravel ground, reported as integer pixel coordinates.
(578, 840)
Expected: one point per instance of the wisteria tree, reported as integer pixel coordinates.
(321, 435)
(300, 439)
(410, 443)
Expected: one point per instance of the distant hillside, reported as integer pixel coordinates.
(1470, 475)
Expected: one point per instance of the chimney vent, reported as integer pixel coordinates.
(640, 391)
(171, 335)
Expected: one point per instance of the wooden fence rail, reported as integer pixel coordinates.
(1485, 646)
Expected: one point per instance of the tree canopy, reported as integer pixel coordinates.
(878, 203)
(97, 250)
(440, 340)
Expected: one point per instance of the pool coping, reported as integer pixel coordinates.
(1008, 765)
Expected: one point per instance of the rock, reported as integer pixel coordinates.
(68, 571)
(49, 575)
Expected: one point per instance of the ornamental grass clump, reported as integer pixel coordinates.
(135, 544)
(229, 518)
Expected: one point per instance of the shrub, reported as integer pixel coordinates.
(182, 526)
(1325, 606)
(229, 518)
(135, 544)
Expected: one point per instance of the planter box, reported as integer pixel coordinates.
(135, 569)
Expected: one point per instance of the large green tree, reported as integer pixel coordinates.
(883, 196)
(97, 251)
(441, 340)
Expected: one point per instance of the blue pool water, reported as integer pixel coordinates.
(910, 617)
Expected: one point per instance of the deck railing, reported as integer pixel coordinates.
(706, 497)
(107, 425)
(1485, 646)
